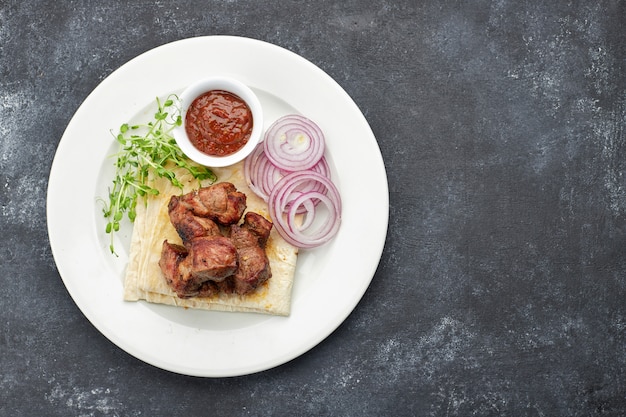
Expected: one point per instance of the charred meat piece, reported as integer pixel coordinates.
(224, 203)
(171, 257)
(187, 270)
(254, 269)
(217, 255)
(189, 226)
(212, 258)
(254, 266)
(211, 288)
(220, 202)
(174, 264)
(258, 225)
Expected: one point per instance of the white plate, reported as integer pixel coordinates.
(329, 281)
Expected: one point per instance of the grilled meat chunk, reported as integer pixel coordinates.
(259, 226)
(174, 264)
(217, 255)
(211, 288)
(212, 258)
(188, 225)
(254, 266)
(220, 202)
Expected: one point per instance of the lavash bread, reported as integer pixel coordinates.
(144, 279)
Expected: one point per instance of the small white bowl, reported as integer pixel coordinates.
(235, 87)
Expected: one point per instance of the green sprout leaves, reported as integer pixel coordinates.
(147, 151)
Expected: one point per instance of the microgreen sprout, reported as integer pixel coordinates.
(147, 151)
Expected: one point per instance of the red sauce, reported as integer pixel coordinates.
(218, 123)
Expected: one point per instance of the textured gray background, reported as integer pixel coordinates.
(502, 286)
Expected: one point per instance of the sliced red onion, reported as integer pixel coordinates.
(261, 175)
(289, 171)
(286, 201)
(250, 171)
(294, 142)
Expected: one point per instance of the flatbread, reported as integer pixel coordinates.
(144, 279)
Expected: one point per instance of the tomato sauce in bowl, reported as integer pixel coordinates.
(222, 121)
(218, 123)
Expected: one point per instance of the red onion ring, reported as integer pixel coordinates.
(261, 175)
(294, 142)
(286, 201)
(289, 171)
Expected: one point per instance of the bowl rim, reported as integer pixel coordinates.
(231, 85)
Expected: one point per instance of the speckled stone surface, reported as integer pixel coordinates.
(502, 286)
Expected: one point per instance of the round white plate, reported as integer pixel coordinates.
(330, 280)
